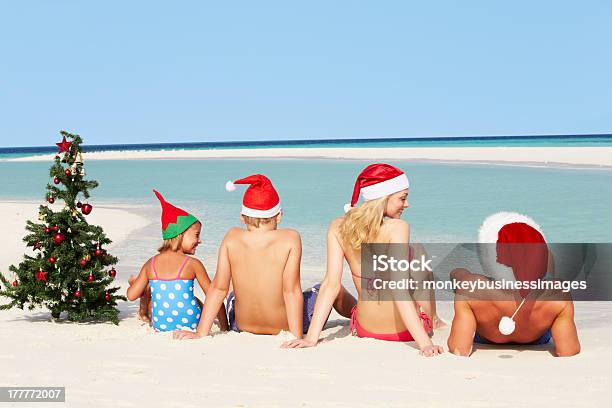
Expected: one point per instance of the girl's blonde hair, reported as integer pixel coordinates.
(362, 224)
(172, 244)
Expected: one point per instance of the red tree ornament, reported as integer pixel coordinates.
(58, 238)
(41, 275)
(83, 262)
(68, 172)
(51, 260)
(47, 230)
(112, 273)
(55, 228)
(51, 200)
(56, 180)
(90, 278)
(106, 296)
(86, 208)
(14, 283)
(77, 293)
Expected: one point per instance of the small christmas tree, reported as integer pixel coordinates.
(68, 271)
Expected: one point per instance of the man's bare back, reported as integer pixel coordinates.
(539, 314)
(259, 265)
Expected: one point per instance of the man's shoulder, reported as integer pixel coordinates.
(562, 302)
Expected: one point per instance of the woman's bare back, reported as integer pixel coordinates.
(375, 316)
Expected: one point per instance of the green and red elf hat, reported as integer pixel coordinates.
(174, 220)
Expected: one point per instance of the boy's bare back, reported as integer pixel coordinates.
(258, 262)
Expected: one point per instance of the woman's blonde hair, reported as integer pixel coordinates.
(362, 224)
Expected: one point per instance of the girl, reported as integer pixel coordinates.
(165, 282)
(385, 190)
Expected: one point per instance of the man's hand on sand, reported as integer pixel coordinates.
(430, 351)
(185, 335)
(298, 343)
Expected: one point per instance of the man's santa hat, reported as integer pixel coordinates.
(174, 220)
(377, 181)
(520, 251)
(260, 199)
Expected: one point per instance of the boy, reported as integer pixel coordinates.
(263, 264)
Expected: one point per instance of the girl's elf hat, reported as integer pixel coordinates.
(174, 220)
(376, 181)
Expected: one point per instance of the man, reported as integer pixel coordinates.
(512, 244)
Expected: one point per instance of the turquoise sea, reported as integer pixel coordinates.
(447, 201)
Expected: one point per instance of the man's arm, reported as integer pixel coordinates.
(292, 290)
(214, 297)
(564, 332)
(461, 337)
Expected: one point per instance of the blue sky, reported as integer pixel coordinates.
(144, 72)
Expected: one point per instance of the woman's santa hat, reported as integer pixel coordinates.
(174, 220)
(260, 199)
(520, 251)
(377, 181)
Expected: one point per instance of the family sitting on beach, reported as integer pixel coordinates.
(261, 264)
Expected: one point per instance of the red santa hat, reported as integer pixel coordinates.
(376, 181)
(260, 199)
(520, 252)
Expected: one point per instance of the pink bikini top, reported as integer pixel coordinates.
(370, 286)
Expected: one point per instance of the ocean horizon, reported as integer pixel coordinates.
(595, 140)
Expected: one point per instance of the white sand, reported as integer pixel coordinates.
(128, 365)
(574, 156)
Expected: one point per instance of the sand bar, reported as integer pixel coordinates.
(573, 156)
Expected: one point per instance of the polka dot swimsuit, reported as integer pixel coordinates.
(174, 304)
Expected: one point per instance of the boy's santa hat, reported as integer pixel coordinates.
(376, 181)
(260, 199)
(174, 220)
(520, 251)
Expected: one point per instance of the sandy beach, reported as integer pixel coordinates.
(573, 156)
(128, 365)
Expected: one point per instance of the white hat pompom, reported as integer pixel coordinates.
(230, 186)
(347, 208)
(506, 325)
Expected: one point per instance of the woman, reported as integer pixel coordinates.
(377, 220)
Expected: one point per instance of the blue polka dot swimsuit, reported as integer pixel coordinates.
(174, 304)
